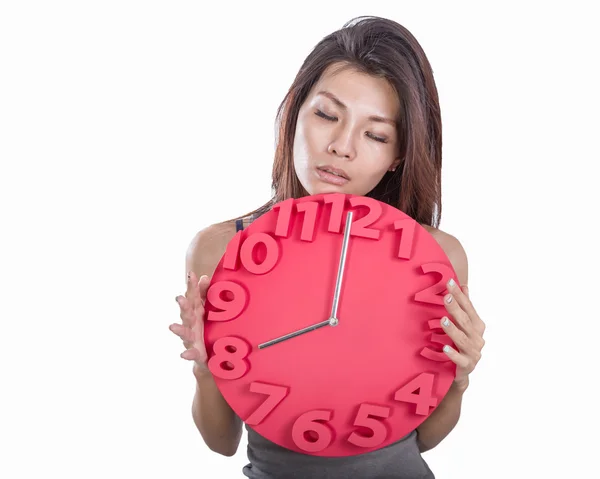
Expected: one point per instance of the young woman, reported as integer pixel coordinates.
(361, 117)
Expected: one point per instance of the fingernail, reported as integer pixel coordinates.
(448, 298)
(445, 321)
(451, 283)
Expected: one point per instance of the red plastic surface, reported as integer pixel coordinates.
(342, 390)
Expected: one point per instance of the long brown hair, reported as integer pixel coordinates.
(382, 48)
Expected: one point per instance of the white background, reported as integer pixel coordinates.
(127, 126)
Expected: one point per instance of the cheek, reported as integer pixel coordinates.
(371, 175)
(376, 165)
(300, 151)
(306, 143)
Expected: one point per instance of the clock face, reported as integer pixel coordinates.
(338, 389)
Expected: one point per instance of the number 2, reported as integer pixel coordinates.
(359, 227)
(431, 293)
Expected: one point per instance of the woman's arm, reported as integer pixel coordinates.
(218, 424)
(445, 417)
(441, 421)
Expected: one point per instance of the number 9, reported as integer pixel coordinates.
(230, 309)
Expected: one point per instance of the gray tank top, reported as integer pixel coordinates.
(400, 460)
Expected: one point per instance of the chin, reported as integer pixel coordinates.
(324, 188)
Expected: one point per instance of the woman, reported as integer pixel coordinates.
(362, 117)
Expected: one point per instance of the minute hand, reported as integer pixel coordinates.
(333, 320)
(340, 276)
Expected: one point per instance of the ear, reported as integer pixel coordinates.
(395, 164)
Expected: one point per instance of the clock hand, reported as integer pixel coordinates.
(333, 320)
(340, 275)
(294, 334)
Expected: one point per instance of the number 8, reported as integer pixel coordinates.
(223, 354)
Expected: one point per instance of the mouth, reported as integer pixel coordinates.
(334, 171)
(332, 176)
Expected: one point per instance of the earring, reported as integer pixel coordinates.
(393, 168)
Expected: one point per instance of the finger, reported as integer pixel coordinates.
(192, 288)
(480, 327)
(461, 360)
(479, 343)
(458, 337)
(186, 334)
(180, 331)
(462, 299)
(186, 314)
(191, 354)
(203, 284)
(460, 317)
(478, 324)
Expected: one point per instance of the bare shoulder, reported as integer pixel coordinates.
(207, 247)
(454, 250)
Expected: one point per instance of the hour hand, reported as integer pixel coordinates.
(333, 320)
(297, 333)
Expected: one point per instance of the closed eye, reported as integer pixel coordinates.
(323, 115)
(333, 118)
(376, 138)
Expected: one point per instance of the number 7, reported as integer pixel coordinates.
(275, 394)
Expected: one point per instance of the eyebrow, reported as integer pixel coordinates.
(337, 101)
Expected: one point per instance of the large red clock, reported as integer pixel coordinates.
(322, 324)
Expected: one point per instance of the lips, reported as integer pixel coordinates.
(336, 171)
(330, 177)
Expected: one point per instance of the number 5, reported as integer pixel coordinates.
(363, 419)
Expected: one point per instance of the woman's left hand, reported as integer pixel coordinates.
(465, 328)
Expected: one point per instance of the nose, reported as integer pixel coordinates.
(342, 144)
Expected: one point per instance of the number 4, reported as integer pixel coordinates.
(424, 398)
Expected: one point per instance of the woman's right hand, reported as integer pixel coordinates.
(191, 331)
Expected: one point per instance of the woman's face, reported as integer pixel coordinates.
(346, 126)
